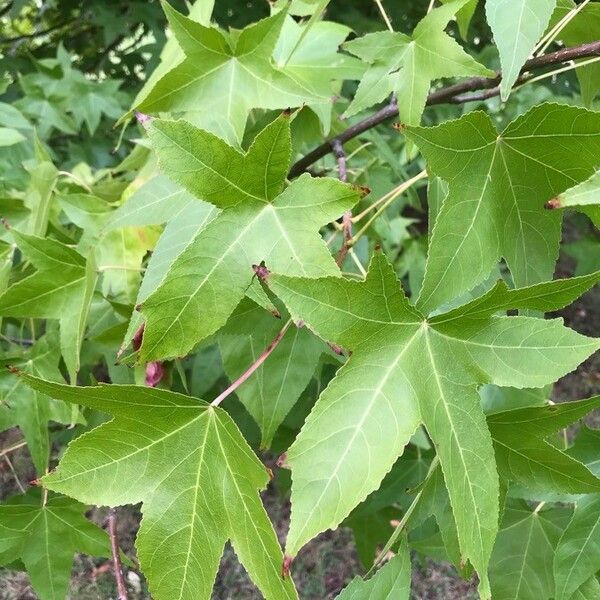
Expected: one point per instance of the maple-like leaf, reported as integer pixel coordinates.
(521, 567)
(224, 76)
(260, 221)
(578, 551)
(406, 370)
(523, 454)
(61, 288)
(23, 407)
(406, 65)
(499, 184)
(274, 388)
(391, 581)
(196, 476)
(517, 25)
(45, 537)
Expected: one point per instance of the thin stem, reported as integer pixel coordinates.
(444, 95)
(257, 363)
(357, 262)
(76, 179)
(430, 7)
(394, 193)
(384, 15)
(340, 155)
(397, 192)
(546, 40)
(116, 558)
(10, 449)
(409, 511)
(14, 473)
(539, 507)
(570, 67)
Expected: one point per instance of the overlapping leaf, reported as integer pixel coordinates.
(499, 184)
(391, 581)
(584, 197)
(405, 370)
(61, 288)
(517, 25)
(224, 76)
(406, 65)
(196, 476)
(259, 221)
(274, 388)
(45, 537)
(23, 407)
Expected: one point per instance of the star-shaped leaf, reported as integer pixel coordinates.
(224, 76)
(259, 221)
(45, 538)
(406, 65)
(23, 407)
(61, 288)
(499, 184)
(406, 370)
(274, 387)
(196, 476)
(521, 566)
(523, 454)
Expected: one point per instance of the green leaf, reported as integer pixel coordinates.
(30, 411)
(205, 492)
(590, 590)
(10, 137)
(578, 553)
(391, 581)
(521, 565)
(61, 288)
(38, 196)
(259, 221)
(401, 364)
(406, 65)
(309, 55)
(546, 297)
(584, 197)
(224, 76)
(45, 538)
(517, 25)
(585, 448)
(523, 455)
(499, 184)
(464, 16)
(274, 388)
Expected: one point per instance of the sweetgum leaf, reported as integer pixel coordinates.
(406, 65)
(196, 476)
(391, 581)
(405, 370)
(260, 221)
(45, 538)
(61, 288)
(499, 184)
(523, 455)
(224, 76)
(578, 551)
(23, 407)
(517, 25)
(521, 566)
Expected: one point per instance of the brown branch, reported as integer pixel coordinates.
(35, 34)
(340, 155)
(452, 94)
(116, 558)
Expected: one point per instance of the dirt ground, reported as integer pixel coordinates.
(326, 564)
